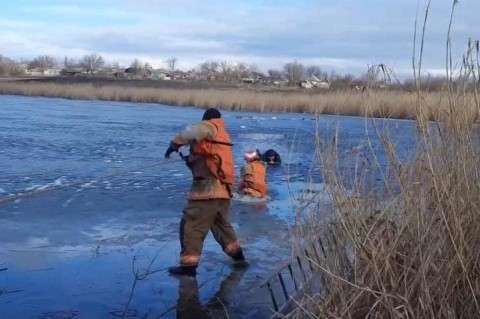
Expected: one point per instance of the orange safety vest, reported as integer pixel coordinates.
(218, 153)
(257, 179)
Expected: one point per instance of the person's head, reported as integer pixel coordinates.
(270, 155)
(211, 113)
(250, 156)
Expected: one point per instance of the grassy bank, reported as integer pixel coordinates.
(391, 104)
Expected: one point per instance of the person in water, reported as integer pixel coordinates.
(271, 157)
(253, 175)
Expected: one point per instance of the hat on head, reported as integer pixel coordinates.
(270, 153)
(250, 155)
(211, 113)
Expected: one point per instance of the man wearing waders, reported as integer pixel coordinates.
(211, 163)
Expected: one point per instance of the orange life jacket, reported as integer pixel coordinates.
(257, 179)
(218, 153)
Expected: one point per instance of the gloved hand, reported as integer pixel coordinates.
(172, 148)
(186, 159)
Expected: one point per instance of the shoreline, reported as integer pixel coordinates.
(377, 104)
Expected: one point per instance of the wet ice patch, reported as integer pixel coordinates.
(38, 242)
(35, 186)
(58, 182)
(262, 136)
(117, 233)
(298, 197)
(38, 252)
(90, 183)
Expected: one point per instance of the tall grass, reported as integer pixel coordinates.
(415, 254)
(391, 104)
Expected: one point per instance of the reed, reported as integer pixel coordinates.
(410, 251)
(389, 104)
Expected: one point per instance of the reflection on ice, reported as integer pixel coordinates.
(58, 182)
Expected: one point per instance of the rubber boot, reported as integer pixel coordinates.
(239, 260)
(183, 271)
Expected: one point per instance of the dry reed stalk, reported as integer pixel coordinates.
(391, 104)
(416, 255)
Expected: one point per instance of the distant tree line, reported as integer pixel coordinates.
(291, 74)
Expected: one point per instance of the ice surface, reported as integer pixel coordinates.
(116, 203)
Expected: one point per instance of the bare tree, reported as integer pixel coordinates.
(253, 68)
(227, 69)
(92, 62)
(147, 68)
(6, 65)
(115, 65)
(68, 63)
(242, 71)
(315, 70)
(136, 65)
(42, 62)
(274, 74)
(172, 62)
(294, 72)
(210, 67)
(343, 81)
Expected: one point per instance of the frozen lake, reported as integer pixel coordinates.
(72, 252)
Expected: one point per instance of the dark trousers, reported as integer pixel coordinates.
(200, 216)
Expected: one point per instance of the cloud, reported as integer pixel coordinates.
(77, 11)
(342, 35)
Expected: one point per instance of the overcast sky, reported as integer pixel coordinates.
(340, 35)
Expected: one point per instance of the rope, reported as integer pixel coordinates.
(14, 197)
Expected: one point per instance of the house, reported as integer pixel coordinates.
(179, 75)
(323, 85)
(306, 84)
(71, 71)
(314, 82)
(19, 69)
(164, 76)
(43, 72)
(161, 75)
(266, 80)
(248, 80)
(52, 72)
(135, 73)
(34, 72)
(280, 82)
(192, 75)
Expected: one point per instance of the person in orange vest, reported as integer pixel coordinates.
(211, 163)
(253, 176)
